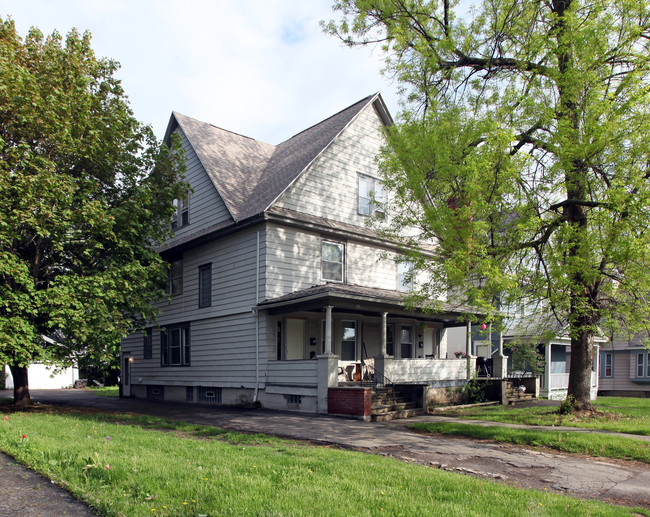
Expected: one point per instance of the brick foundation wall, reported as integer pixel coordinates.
(350, 401)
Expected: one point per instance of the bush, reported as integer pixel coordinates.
(568, 405)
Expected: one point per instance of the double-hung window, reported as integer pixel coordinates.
(147, 343)
(332, 258)
(175, 273)
(642, 365)
(175, 345)
(406, 341)
(404, 276)
(608, 364)
(181, 216)
(205, 286)
(371, 196)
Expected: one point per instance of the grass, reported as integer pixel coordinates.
(136, 466)
(105, 391)
(592, 444)
(616, 414)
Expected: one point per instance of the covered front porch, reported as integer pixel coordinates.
(342, 336)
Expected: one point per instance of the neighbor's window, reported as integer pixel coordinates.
(607, 364)
(642, 365)
(332, 254)
(147, 343)
(175, 273)
(181, 215)
(205, 285)
(371, 196)
(175, 345)
(404, 276)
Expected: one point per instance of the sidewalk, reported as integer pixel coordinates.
(608, 480)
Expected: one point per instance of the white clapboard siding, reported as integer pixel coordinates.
(329, 188)
(295, 373)
(206, 208)
(222, 355)
(293, 262)
(234, 265)
(413, 370)
(370, 266)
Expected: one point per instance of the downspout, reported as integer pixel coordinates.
(257, 320)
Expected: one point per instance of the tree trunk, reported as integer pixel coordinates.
(21, 386)
(582, 346)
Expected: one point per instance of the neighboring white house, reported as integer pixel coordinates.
(42, 377)
(556, 351)
(281, 293)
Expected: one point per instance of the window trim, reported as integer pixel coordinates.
(185, 345)
(341, 245)
(205, 297)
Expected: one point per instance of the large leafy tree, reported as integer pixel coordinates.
(86, 193)
(523, 152)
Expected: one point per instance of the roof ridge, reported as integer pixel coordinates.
(364, 100)
(221, 128)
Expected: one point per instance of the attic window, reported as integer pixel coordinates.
(181, 216)
(371, 197)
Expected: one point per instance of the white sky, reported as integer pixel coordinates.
(261, 68)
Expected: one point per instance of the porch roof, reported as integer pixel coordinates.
(366, 300)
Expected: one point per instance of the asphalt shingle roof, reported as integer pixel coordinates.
(250, 175)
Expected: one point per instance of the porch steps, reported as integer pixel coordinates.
(515, 396)
(389, 405)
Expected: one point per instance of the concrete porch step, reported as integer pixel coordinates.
(393, 415)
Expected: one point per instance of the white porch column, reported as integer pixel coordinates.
(328, 330)
(471, 363)
(384, 318)
(500, 362)
(547, 371)
(327, 365)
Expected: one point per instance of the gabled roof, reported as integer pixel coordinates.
(250, 175)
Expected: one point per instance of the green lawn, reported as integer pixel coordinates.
(106, 391)
(614, 414)
(592, 444)
(137, 466)
(618, 414)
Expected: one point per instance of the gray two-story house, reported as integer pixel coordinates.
(281, 293)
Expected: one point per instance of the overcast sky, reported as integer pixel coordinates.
(261, 68)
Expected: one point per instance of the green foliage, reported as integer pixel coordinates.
(522, 153)
(568, 405)
(85, 196)
(181, 469)
(472, 392)
(526, 357)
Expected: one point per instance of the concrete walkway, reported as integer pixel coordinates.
(608, 480)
